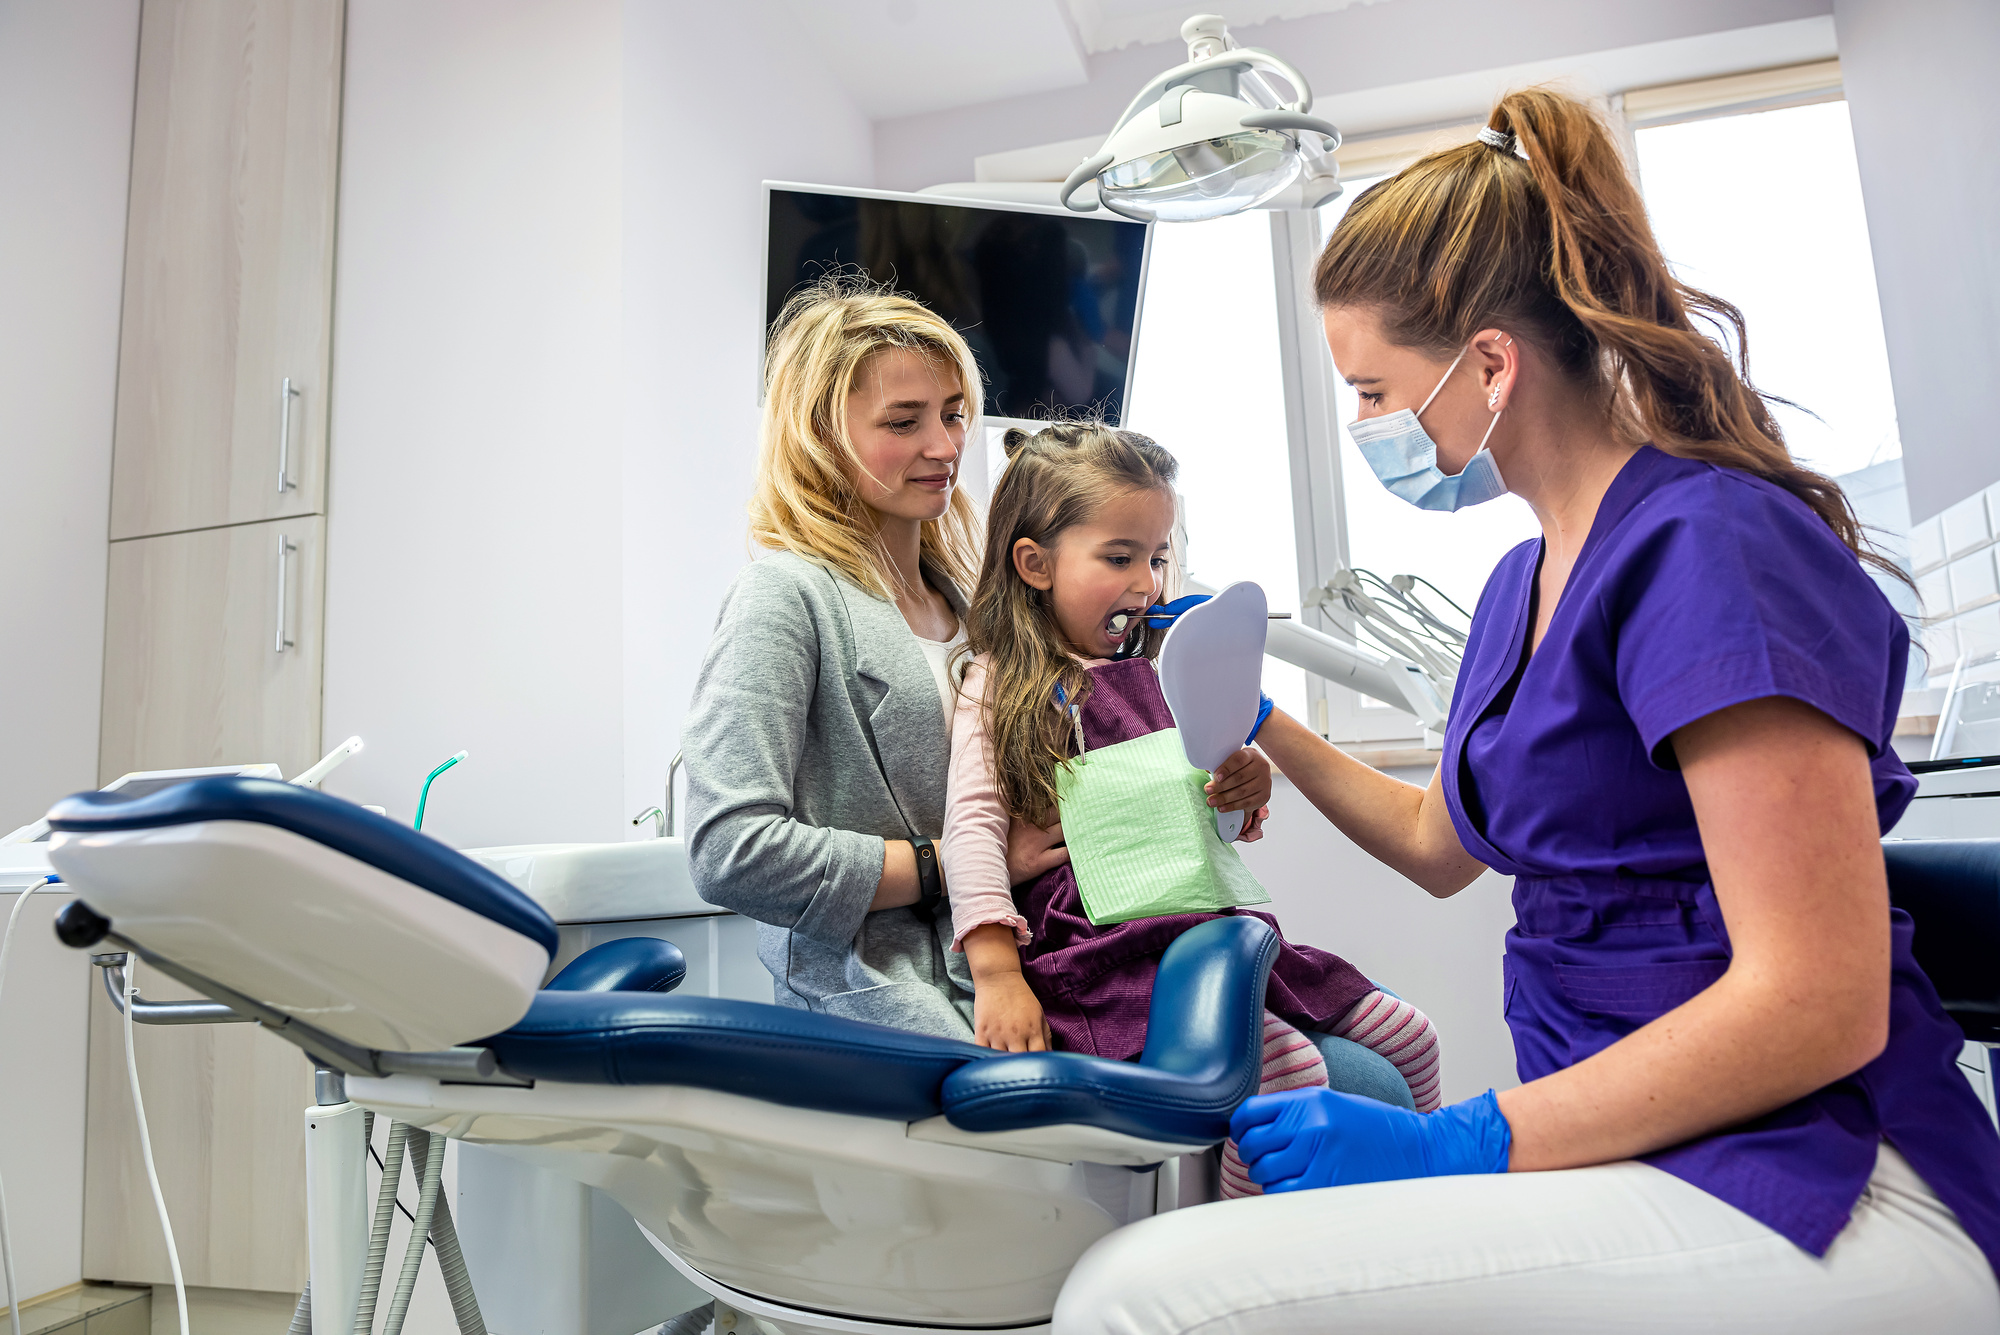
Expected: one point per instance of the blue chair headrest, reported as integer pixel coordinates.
(335, 822)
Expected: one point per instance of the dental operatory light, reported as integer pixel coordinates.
(1212, 137)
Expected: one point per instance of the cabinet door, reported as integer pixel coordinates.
(228, 265)
(212, 648)
(225, 1106)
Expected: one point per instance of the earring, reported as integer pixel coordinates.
(1493, 399)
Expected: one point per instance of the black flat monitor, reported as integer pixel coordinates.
(1047, 298)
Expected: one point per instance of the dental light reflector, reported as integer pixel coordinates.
(1207, 179)
(1211, 138)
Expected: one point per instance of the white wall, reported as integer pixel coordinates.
(547, 337)
(1441, 955)
(67, 71)
(694, 323)
(473, 547)
(44, 1037)
(1926, 116)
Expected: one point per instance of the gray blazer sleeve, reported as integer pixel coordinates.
(748, 852)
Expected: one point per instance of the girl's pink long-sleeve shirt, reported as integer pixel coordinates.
(976, 821)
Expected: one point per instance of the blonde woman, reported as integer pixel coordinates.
(819, 739)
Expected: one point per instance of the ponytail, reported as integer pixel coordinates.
(1538, 228)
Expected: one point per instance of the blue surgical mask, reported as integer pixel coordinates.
(1403, 455)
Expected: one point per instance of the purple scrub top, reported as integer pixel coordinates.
(1698, 588)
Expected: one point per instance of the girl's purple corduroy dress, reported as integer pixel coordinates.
(1096, 983)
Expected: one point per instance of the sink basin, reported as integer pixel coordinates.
(602, 882)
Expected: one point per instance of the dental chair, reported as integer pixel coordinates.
(810, 1173)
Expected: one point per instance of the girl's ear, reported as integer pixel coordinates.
(1033, 563)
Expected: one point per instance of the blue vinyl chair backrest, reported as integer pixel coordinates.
(1951, 889)
(384, 844)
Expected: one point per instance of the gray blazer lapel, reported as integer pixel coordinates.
(906, 719)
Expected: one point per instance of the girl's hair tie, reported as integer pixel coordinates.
(1503, 140)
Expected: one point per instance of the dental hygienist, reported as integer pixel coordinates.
(1739, 1107)
(817, 746)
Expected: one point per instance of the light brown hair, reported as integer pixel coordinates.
(1055, 480)
(1555, 247)
(806, 499)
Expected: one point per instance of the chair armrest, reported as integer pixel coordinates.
(634, 964)
(1204, 1051)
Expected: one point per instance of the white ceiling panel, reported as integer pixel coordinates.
(905, 57)
(1108, 25)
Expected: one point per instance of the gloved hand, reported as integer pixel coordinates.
(1317, 1137)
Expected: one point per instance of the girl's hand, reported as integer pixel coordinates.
(1006, 1016)
(1253, 828)
(1240, 783)
(1033, 849)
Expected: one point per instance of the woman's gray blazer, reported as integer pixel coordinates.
(816, 734)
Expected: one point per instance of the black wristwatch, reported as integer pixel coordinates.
(930, 880)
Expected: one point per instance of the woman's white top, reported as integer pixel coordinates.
(938, 654)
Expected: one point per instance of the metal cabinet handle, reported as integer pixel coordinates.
(285, 398)
(285, 549)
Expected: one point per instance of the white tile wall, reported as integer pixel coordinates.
(1978, 632)
(1941, 647)
(1965, 526)
(1956, 559)
(1934, 593)
(1972, 581)
(1927, 544)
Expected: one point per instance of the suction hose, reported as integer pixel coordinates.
(430, 1172)
(378, 1233)
(444, 1237)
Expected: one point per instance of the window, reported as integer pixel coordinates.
(1210, 387)
(1764, 210)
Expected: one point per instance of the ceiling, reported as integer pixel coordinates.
(906, 57)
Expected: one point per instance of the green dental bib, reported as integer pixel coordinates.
(1141, 835)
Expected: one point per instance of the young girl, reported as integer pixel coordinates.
(1077, 542)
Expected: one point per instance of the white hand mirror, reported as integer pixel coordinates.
(1211, 669)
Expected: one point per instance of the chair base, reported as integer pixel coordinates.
(831, 1222)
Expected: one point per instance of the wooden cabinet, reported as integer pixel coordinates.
(228, 265)
(225, 1104)
(212, 648)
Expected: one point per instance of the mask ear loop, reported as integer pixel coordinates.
(1446, 376)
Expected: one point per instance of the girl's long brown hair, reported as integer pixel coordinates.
(1055, 479)
(1555, 246)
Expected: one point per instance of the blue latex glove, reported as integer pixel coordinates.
(1161, 615)
(1264, 708)
(1306, 1138)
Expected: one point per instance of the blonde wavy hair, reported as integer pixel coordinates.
(806, 499)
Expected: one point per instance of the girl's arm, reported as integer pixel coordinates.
(1786, 807)
(977, 826)
(1005, 1013)
(1398, 823)
(979, 835)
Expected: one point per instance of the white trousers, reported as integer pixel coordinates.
(1617, 1248)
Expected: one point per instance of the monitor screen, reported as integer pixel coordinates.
(1049, 302)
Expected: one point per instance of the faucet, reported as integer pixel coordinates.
(663, 816)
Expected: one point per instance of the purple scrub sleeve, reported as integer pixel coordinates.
(1733, 590)
(1698, 588)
